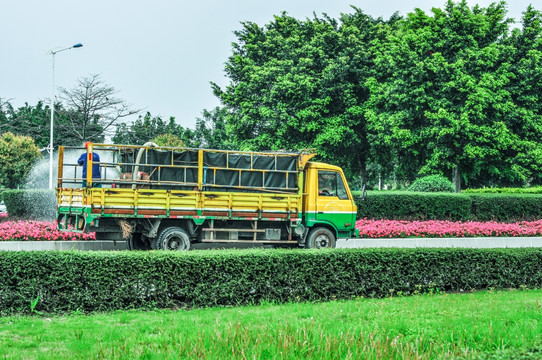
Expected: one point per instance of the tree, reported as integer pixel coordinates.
(211, 130)
(301, 84)
(35, 121)
(168, 140)
(442, 92)
(92, 109)
(17, 156)
(144, 129)
(525, 87)
(4, 106)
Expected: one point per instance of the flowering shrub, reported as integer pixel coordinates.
(3, 214)
(437, 228)
(30, 230)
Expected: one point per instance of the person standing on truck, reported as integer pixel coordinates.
(95, 167)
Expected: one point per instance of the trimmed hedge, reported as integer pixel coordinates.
(531, 190)
(398, 205)
(61, 282)
(506, 207)
(401, 205)
(31, 204)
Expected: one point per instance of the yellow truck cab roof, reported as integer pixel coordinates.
(321, 165)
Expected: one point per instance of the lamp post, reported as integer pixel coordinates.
(53, 52)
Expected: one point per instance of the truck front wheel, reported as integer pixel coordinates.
(173, 238)
(320, 238)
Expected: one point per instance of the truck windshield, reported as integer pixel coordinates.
(330, 183)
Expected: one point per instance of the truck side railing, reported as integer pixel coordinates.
(150, 167)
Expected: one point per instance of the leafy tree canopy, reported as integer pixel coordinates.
(17, 156)
(144, 129)
(301, 84)
(168, 140)
(211, 131)
(453, 92)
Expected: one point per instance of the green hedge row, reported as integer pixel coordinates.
(31, 204)
(531, 190)
(445, 206)
(61, 282)
(413, 206)
(2, 190)
(41, 204)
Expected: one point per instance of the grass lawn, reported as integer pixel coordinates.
(415, 327)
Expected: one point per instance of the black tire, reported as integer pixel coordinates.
(173, 238)
(136, 242)
(154, 243)
(320, 238)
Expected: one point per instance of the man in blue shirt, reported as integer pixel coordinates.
(96, 175)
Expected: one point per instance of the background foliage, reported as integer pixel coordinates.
(453, 92)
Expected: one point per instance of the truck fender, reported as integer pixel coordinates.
(325, 224)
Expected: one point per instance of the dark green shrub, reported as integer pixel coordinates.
(414, 206)
(63, 282)
(13, 199)
(31, 204)
(442, 206)
(531, 190)
(506, 207)
(432, 183)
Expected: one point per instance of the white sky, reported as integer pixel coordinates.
(160, 55)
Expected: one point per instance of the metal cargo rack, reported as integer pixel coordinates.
(174, 168)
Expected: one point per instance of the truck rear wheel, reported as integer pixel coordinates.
(173, 238)
(320, 238)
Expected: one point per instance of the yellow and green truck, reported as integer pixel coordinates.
(167, 198)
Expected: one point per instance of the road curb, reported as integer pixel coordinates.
(91, 245)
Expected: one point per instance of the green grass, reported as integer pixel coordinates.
(417, 327)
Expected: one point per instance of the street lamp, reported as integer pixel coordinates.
(53, 52)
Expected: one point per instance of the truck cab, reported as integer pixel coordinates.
(328, 205)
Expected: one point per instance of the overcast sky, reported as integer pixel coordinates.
(160, 55)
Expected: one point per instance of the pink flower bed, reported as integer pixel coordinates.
(437, 228)
(3, 214)
(29, 230)
(46, 230)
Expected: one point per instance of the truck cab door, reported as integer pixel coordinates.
(334, 203)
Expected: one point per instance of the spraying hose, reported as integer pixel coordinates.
(138, 159)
